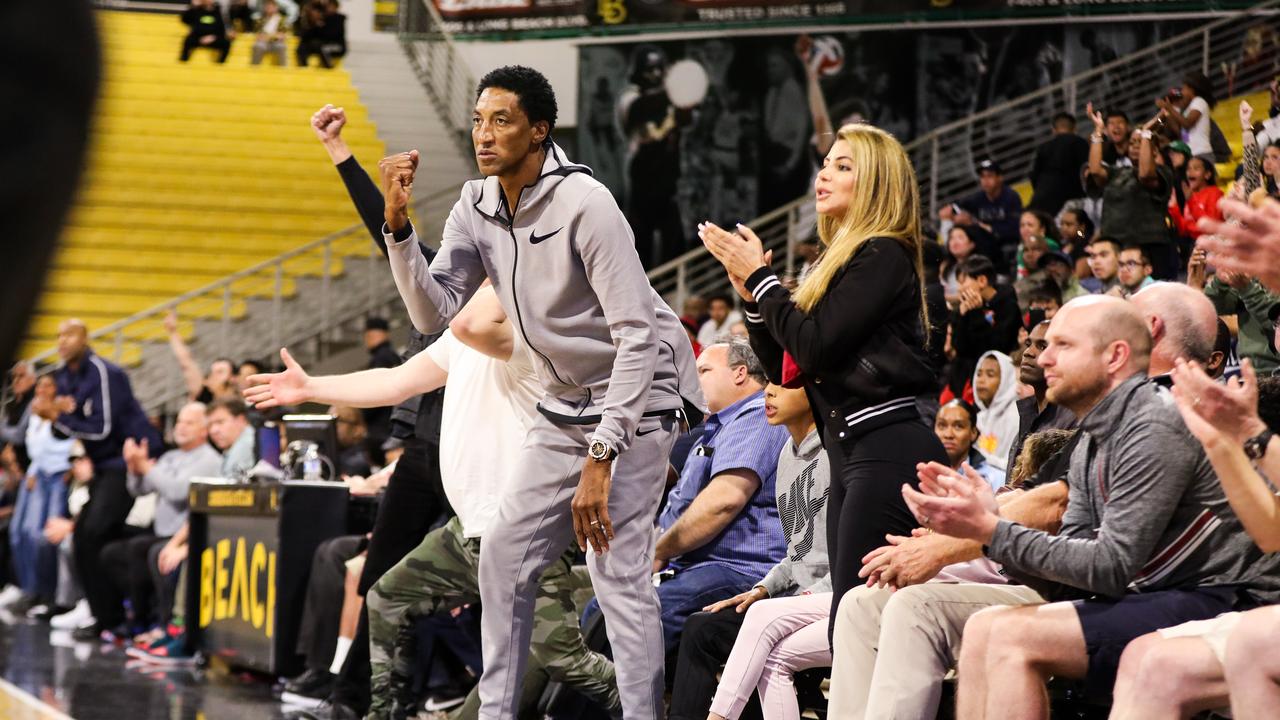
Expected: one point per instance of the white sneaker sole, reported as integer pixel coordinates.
(301, 702)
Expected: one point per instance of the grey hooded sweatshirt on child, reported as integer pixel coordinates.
(605, 345)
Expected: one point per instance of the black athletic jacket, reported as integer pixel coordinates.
(861, 348)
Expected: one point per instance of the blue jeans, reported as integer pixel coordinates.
(691, 589)
(35, 561)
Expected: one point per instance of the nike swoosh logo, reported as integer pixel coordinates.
(534, 238)
(641, 433)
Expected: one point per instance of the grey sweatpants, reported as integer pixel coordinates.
(533, 526)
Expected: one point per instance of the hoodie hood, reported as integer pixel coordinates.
(998, 423)
(492, 202)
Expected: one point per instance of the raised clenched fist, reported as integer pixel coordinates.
(397, 186)
(327, 122)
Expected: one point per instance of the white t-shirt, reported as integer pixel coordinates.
(489, 406)
(710, 332)
(272, 25)
(1197, 136)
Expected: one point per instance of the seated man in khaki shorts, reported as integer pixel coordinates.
(1230, 659)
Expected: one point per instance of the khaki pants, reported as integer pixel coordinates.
(893, 649)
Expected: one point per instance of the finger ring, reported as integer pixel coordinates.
(595, 523)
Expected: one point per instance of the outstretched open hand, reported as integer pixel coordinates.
(267, 390)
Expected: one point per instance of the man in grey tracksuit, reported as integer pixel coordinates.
(615, 364)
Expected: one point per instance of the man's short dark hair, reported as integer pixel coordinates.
(374, 322)
(1114, 243)
(977, 266)
(1046, 291)
(226, 360)
(257, 365)
(721, 297)
(1064, 118)
(1269, 401)
(233, 405)
(1117, 112)
(537, 99)
(1146, 259)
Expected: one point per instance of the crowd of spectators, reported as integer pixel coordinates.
(319, 25)
(1104, 398)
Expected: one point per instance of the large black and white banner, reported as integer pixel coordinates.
(567, 17)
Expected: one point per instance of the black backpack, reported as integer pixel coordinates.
(1218, 141)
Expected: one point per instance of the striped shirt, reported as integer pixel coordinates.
(736, 438)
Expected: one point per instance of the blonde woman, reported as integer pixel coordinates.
(852, 336)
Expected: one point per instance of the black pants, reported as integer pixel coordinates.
(322, 609)
(125, 562)
(166, 586)
(704, 647)
(192, 42)
(101, 522)
(328, 52)
(867, 475)
(413, 501)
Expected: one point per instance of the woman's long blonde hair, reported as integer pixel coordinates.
(885, 203)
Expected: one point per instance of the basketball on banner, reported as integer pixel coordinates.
(827, 56)
(686, 84)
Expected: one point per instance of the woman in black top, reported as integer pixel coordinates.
(852, 335)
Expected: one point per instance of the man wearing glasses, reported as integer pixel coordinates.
(1135, 272)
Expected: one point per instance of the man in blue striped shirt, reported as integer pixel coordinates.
(719, 531)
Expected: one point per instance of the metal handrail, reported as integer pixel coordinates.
(1098, 71)
(440, 67)
(942, 157)
(698, 252)
(222, 287)
(1129, 82)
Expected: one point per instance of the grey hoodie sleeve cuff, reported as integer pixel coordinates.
(778, 580)
(1002, 540)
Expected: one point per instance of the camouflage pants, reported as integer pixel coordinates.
(441, 574)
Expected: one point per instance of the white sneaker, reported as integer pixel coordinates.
(10, 595)
(79, 616)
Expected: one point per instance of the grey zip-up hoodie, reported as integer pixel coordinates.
(1145, 510)
(605, 345)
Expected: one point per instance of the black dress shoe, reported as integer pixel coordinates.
(312, 683)
(87, 633)
(327, 710)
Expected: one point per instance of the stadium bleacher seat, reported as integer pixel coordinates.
(196, 171)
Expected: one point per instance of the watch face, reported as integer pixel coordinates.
(598, 450)
(1256, 447)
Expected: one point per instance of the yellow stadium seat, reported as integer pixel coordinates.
(1227, 115)
(197, 171)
